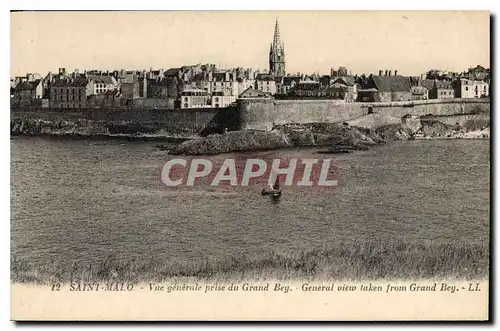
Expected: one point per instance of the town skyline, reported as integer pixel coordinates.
(410, 42)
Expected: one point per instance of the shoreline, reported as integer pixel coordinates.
(336, 137)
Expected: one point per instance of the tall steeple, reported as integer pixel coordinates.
(277, 54)
(276, 39)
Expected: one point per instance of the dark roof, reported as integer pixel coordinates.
(443, 84)
(253, 92)
(111, 92)
(70, 82)
(428, 83)
(27, 85)
(24, 86)
(199, 77)
(308, 85)
(265, 77)
(392, 83)
(221, 76)
(102, 79)
(287, 80)
(172, 72)
(346, 80)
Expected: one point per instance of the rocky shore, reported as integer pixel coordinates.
(34, 127)
(324, 135)
(88, 128)
(332, 136)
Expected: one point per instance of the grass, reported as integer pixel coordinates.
(353, 261)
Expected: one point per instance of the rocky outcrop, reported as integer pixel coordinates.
(87, 128)
(233, 141)
(32, 127)
(432, 128)
(333, 136)
(319, 135)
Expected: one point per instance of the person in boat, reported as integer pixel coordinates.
(274, 191)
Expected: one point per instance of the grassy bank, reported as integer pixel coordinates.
(342, 261)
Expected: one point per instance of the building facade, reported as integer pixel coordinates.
(221, 99)
(28, 94)
(195, 98)
(309, 89)
(343, 88)
(68, 93)
(469, 89)
(98, 84)
(386, 89)
(265, 83)
(442, 90)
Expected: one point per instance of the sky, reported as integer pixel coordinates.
(411, 42)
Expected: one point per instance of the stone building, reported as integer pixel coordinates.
(244, 83)
(69, 93)
(221, 99)
(101, 83)
(442, 89)
(309, 89)
(265, 83)
(468, 89)
(419, 93)
(108, 99)
(343, 88)
(28, 94)
(385, 89)
(288, 83)
(224, 82)
(195, 98)
(132, 86)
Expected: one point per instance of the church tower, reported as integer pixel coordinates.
(277, 54)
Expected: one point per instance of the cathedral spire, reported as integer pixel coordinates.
(276, 39)
(277, 54)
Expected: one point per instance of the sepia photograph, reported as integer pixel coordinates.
(269, 159)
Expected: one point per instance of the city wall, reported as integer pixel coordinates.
(127, 121)
(263, 114)
(257, 114)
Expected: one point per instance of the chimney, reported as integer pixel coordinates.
(62, 71)
(390, 72)
(395, 72)
(380, 72)
(386, 72)
(29, 77)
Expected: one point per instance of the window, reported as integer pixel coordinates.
(466, 88)
(185, 99)
(216, 99)
(185, 105)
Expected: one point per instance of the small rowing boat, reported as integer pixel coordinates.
(274, 191)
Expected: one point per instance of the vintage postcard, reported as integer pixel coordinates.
(250, 165)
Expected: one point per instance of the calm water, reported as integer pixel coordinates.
(81, 201)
